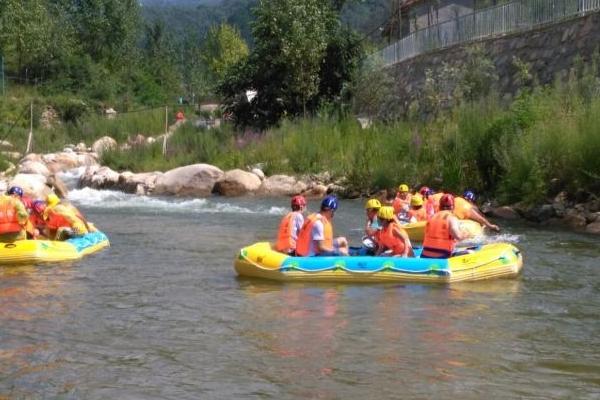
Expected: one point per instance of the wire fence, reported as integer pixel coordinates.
(519, 15)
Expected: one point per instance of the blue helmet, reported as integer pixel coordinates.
(330, 202)
(16, 190)
(469, 195)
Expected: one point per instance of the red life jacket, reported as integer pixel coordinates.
(9, 221)
(389, 240)
(304, 243)
(285, 242)
(438, 242)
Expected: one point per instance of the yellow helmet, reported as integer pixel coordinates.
(403, 188)
(373, 203)
(386, 213)
(52, 199)
(416, 200)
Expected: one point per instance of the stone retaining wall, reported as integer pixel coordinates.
(549, 52)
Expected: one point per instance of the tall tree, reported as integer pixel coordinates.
(223, 47)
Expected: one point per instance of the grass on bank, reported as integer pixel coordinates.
(542, 142)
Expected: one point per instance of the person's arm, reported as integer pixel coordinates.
(478, 217)
(318, 236)
(402, 235)
(455, 230)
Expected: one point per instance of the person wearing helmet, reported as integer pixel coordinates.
(316, 236)
(290, 225)
(372, 225)
(17, 192)
(36, 218)
(428, 201)
(442, 231)
(13, 216)
(401, 203)
(392, 239)
(465, 208)
(63, 221)
(417, 212)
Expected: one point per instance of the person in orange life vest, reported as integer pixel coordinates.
(392, 237)
(435, 199)
(17, 192)
(465, 208)
(13, 216)
(428, 202)
(417, 211)
(290, 226)
(316, 236)
(63, 221)
(179, 116)
(402, 200)
(372, 225)
(442, 231)
(390, 196)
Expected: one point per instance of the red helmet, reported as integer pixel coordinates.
(39, 206)
(298, 201)
(424, 191)
(447, 202)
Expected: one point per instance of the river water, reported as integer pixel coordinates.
(162, 315)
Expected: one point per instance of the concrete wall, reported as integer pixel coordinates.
(549, 51)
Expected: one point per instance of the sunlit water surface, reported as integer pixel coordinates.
(161, 314)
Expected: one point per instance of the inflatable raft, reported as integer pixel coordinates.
(497, 260)
(39, 251)
(416, 230)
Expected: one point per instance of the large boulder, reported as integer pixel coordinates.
(57, 185)
(191, 180)
(34, 185)
(34, 167)
(237, 182)
(504, 212)
(594, 228)
(99, 178)
(281, 185)
(103, 144)
(63, 161)
(142, 184)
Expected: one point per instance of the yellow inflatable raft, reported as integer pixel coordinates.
(39, 251)
(416, 230)
(497, 260)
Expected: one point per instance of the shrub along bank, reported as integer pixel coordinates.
(544, 141)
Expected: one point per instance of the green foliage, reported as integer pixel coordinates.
(223, 47)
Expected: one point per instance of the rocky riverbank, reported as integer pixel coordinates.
(39, 174)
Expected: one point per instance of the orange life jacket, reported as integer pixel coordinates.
(9, 220)
(438, 242)
(285, 242)
(304, 243)
(462, 208)
(401, 204)
(389, 240)
(420, 214)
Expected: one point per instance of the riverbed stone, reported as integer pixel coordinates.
(258, 172)
(281, 185)
(98, 177)
(575, 220)
(237, 182)
(190, 180)
(34, 167)
(34, 185)
(141, 184)
(504, 212)
(594, 228)
(103, 144)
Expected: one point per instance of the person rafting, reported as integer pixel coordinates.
(63, 220)
(417, 211)
(465, 208)
(36, 217)
(17, 192)
(428, 201)
(392, 239)
(13, 216)
(372, 225)
(290, 225)
(442, 231)
(402, 200)
(316, 236)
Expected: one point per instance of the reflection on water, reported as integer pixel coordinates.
(161, 315)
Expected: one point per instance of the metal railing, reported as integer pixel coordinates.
(519, 15)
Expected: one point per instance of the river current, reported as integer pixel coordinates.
(162, 315)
